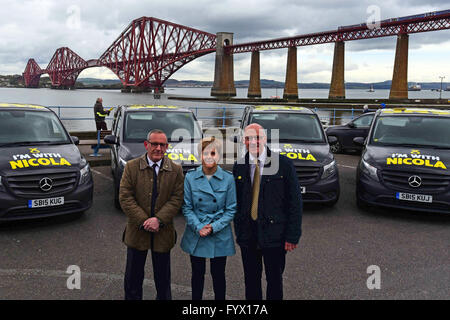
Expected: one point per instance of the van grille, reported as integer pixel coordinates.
(28, 185)
(307, 174)
(431, 182)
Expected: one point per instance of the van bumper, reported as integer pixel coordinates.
(323, 191)
(14, 208)
(371, 192)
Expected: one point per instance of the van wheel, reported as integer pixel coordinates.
(116, 197)
(336, 148)
(117, 203)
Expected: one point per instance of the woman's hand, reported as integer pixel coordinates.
(206, 230)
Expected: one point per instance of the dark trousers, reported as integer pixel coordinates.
(274, 262)
(217, 266)
(134, 274)
(101, 125)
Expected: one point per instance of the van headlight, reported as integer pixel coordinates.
(329, 169)
(85, 174)
(369, 170)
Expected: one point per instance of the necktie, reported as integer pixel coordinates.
(154, 190)
(154, 196)
(255, 191)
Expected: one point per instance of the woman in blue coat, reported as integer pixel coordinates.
(209, 207)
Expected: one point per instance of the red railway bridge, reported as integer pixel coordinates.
(150, 50)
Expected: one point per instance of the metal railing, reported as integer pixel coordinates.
(225, 115)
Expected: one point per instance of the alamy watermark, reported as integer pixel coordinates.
(374, 280)
(373, 21)
(74, 280)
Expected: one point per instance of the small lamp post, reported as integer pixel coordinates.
(440, 92)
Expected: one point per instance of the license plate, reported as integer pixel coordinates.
(303, 190)
(49, 202)
(414, 197)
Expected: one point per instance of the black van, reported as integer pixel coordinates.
(131, 125)
(358, 127)
(42, 172)
(302, 139)
(405, 162)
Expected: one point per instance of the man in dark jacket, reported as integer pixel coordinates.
(100, 114)
(269, 214)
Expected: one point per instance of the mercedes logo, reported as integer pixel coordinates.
(45, 184)
(415, 181)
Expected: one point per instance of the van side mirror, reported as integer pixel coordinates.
(110, 139)
(75, 140)
(359, 141)
(332, 140)
(351, 125)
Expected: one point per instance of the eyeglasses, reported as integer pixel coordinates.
(156, 144)
(250, 138)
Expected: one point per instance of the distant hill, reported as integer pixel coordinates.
(16, 81)
(92, 81)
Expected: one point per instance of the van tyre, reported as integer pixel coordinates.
(117, 202)
(336, 148)
(116, 197)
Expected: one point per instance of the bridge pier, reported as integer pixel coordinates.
(399, 86)
(254, 88)
(140, 89)
(337, 86)
(31, 83)
(291, 85)
(223, 73)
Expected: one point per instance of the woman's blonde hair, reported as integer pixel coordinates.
(209, 141)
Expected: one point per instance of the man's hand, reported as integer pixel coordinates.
(151, 224)
(206, 230)
(289, 246)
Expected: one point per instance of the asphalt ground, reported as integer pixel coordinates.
(337, 248)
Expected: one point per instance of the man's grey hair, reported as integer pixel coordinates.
(155, 131)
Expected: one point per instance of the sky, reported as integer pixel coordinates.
(35, 29)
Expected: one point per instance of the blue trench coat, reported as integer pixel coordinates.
(209, 202)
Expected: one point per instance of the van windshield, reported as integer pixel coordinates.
(27, 126)
(421, 131)
(174, 124)
(291, 126)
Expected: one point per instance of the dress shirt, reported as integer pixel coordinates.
(261, 160)
(158, 164)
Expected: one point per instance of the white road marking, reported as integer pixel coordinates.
(102, 174)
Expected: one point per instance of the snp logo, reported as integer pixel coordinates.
(374, 280)
(74, 280)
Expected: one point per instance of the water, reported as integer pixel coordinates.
(86, 98)
(312, 93)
